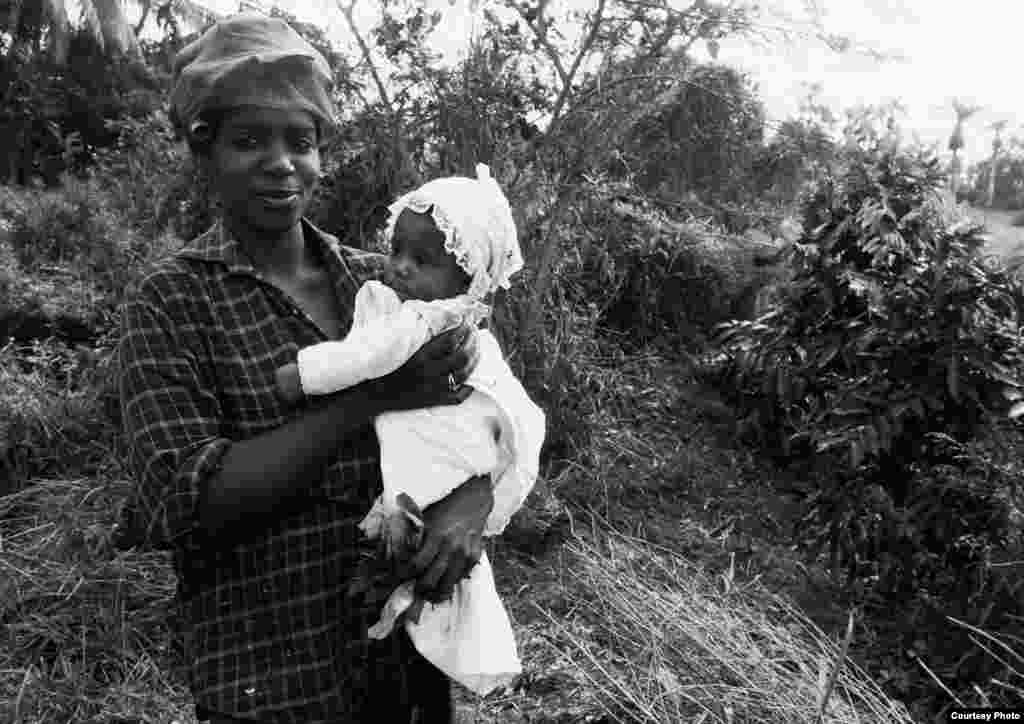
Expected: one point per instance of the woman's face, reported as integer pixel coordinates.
(420, 266)
(265, 165)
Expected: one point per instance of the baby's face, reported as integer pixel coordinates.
(421, 268)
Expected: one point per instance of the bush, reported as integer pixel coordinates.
(55, 118)
(653, 278)
(705, 140)
(893, 327)
(150, 179)
(74, 227)
(894, 344)
(76, 238)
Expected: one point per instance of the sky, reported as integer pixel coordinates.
(946, 50)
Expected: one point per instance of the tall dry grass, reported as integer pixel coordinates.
(657, 640)
(85, 633)
(635, 630)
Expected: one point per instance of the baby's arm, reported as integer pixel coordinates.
(386, 335)
(289, 385)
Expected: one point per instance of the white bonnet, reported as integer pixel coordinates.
(477, 223)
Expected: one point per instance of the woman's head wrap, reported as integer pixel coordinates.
(477, 223)
(250, 60)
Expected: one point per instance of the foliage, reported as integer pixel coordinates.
(75, 228)
(450, 121)
(151, 181)
(704, 140)
(73, 252)
(894, 334)
(52, 420)
(650, 276)
(797, 156)
(593, 74)
(354, 194)
(54, 117)
(893, 324)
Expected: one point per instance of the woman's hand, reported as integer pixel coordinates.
(424, 381)
(452, 539)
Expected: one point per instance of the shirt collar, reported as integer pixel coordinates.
(217, 245)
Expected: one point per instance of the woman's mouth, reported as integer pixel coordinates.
(278, 199)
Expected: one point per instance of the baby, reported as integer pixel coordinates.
(441, 280)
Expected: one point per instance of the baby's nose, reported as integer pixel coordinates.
(399, 267)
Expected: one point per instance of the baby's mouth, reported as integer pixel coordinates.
(392, 281)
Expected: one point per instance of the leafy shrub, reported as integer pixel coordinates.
(894, 344)
(893, 326)
(652, 277)
(705, 140)
(76, 237)
(352, 200)
(150, 178)
(75, 226)
(55, 117)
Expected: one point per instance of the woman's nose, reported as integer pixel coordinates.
(279, 160)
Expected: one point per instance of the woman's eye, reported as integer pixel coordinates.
(304, 145)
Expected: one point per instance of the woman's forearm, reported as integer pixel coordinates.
(262, 475)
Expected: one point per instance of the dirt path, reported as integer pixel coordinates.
(1005, 240)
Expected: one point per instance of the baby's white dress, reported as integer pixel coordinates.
(427, 453)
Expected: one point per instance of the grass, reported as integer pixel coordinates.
(86, 633)
(666, 619)
(651, 637)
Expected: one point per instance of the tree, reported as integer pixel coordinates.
(1007, 190)
(997, 144)
(956, 139)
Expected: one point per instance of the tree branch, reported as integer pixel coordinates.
(583, 51)
(539, 26)
(349, 12)
(146, 4)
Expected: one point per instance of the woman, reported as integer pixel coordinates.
(258, 499)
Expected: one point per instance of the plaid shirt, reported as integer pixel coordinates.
(269, 633)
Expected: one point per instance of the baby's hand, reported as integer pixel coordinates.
(289, 384)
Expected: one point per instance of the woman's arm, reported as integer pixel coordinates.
(260, 475)
(193, 479)
(453, 539)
